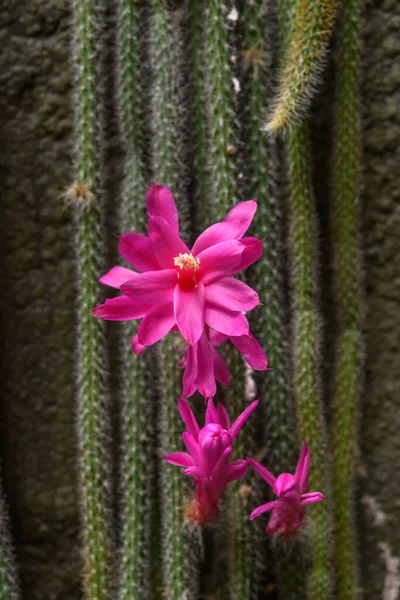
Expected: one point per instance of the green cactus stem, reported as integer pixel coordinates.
(92, 413)
(223, 146)
(307, 354)
(223, 141)
(268, 273)
(137, 452)
(9, 585)
(312, 24)
(180, 579)
(198, 89)
(347, 278)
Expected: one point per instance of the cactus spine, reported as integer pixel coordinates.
(311, 29)
(180, 581)
(136, 412)
(9, 586)
(92, 426)
(347, 153)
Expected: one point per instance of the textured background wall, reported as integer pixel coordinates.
(37, 292)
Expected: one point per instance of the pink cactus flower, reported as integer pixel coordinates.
(288, 511)
(207, 459)
(177, 287)
(204, 366)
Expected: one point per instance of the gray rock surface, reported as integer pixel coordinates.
(380, 415)
(37, 292)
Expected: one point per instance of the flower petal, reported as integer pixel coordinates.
(220, 369)
(223, 416)
(217, 233)
(193, 447)
(116, 276)
(242, 213)
(220, 260)
(211, 413)
(217, 338)
(236, 470)
(190, 374)
(232, 294)
(285, 484)
(156, 323)
(189, 312)
(302, 468)
(188, 418)
(226, 321)
(261, 470)
(138, 251)
(263, 509)
(205, 379)
(137, 347)
(160, 203)
(153, 287)
(240, 421)
(120, 308)
(165, 241)
(251, 351)
(180, 459)
(252, 252)
(311, 498)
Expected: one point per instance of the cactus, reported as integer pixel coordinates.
(311, 27)
(92, 414)
(198, 74)
(136, 410)
(9, 585)
(269, 275)
(180, 579)
(307, 353)
(347, 277)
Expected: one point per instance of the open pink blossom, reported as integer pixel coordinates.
(204, 366)
(207, 459)
(174, 286)
(288, 511)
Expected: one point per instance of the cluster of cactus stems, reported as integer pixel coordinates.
(347, 276)
(228, 53)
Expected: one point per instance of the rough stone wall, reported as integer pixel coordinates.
(380, 409)
(37, 294)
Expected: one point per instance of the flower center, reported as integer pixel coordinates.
(187, 262)
(186, 266)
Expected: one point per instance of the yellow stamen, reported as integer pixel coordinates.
(187, 262)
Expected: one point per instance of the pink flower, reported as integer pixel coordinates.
(287, 512)
(175, 287)
(207, 459)
(204, 366)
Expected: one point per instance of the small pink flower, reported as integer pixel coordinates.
(287, 512)
(175, 287)
(204, 366)
(207, 459)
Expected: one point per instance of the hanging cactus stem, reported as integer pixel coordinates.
(92, 413)
(347, 278)
(311, 27)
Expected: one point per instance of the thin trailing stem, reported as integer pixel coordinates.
(347, 276)
(92, 414)
(179, 575)
(311, 28)
(137, 441)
